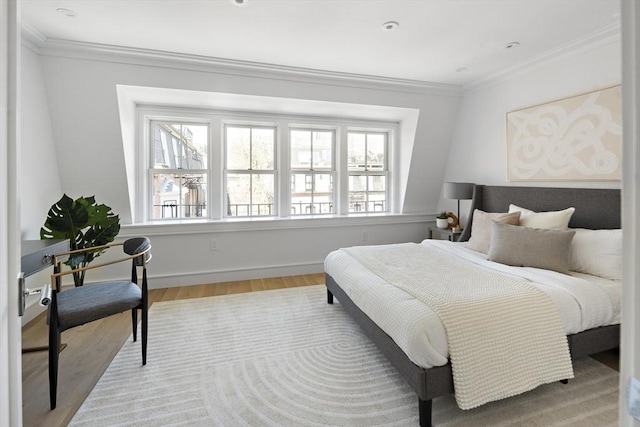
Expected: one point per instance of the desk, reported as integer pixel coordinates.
(36, 256)
(451, 235)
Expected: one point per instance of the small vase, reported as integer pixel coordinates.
(442, 222)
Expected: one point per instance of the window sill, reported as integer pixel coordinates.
(229, 225)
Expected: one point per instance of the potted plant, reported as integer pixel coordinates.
(86, 224)
(442, 220)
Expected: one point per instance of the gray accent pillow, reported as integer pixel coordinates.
(530, 247)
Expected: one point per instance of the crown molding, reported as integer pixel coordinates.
(150, 57)
(606, 35)
(43, 45)
(32, 38)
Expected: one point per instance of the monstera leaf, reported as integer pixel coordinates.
(86, 224)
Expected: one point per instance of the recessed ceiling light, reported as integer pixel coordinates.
(390, 25)
(66, 12)
(240, 2)
(512, 45)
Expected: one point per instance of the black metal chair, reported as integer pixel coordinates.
(83, 304)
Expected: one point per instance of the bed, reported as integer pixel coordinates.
(595, 209)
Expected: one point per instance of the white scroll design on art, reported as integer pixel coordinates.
(567, 141)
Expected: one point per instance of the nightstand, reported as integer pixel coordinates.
(452, 236)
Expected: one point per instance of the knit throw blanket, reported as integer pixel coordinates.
(505, 336)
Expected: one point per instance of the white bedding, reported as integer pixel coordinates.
(583, 301)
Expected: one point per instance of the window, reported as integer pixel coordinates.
(368, 172)
(218, 165)
(250, 170)
(180, 170)
(311, 171)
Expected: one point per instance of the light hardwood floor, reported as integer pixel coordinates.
(91, 347)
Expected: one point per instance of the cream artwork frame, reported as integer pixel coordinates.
(573, 139)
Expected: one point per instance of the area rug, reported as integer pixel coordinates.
(287, 358)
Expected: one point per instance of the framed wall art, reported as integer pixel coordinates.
(572, 139)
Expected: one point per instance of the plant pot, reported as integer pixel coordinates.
(442, 222)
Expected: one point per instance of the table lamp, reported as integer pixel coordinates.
(459, 191)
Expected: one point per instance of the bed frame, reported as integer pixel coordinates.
(595, 209)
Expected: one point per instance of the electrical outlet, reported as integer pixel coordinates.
(213, 244)
(365, 236)
(633, 397)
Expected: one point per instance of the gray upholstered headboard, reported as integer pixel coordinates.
(595, 208)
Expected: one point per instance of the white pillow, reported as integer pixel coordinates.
(481, 228)
(553, 220)
(597, 252)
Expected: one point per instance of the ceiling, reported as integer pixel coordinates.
(437, 41)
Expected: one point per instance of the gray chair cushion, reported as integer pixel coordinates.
(87, 303)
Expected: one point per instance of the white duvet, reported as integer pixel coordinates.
(583, 301)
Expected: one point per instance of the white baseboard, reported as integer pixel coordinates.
(230, 275)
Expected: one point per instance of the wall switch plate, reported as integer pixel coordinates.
(633, 397)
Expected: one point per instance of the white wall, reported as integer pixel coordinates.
(39, 176)
(38, 172)
(263, 248)
(81, 96)
(478, 151)
(84, 109)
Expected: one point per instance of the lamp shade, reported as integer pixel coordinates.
(458, 190)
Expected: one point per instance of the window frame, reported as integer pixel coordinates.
(385, 172)
(226, 171)
(313, 172)
(142, 191)
(151, 170)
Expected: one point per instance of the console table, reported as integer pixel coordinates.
(36, 256)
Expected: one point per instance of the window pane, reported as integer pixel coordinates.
(194, 195)
(238, 148)
(357, 193)
(323, 193)
(299, 184)
(159, 148)
(179, 196)
(357, 183)
(250, 194)
(166, 196)
(194, 151)
(300, 149)
(356, 151)
(312, 193)
(175, 149)
(262, 195)
(377, 194)
(375, 151)
(262, 149)
(238, 194)
(302, 194)
(179, 146)
(367, 193)
(322, 150)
